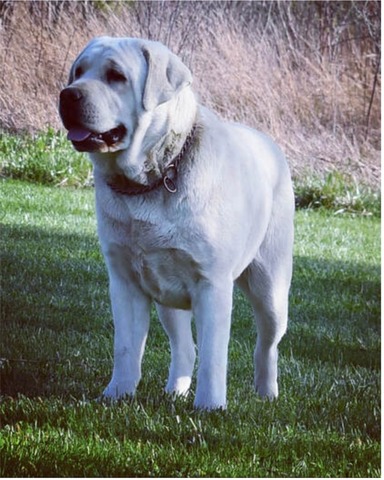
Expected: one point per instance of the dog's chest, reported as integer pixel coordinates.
(161, 259)
(168, 275)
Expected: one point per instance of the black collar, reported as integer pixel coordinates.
(124, 186)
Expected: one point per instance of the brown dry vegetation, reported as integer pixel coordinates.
(307, 73)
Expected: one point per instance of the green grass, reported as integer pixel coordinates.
(56, 357)
(337, 192)
(46, 158)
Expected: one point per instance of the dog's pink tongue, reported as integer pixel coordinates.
(78, 134)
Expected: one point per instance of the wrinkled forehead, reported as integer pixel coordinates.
(106, 52)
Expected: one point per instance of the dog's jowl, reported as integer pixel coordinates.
(187, 206)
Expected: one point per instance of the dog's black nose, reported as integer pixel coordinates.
(71, 94)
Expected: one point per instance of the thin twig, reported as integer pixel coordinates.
(371, 99)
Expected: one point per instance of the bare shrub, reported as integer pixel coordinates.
(307, 73)
(309, 104)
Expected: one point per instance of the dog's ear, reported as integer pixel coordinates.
(167, 75)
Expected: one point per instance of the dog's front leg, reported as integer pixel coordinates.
(177, 324)
(212, 309)
(131, 313)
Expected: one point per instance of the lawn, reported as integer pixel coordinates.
(56, 357)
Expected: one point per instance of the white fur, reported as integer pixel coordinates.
(230, 221)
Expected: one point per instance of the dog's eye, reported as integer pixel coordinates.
(115, 76)
(78, 72)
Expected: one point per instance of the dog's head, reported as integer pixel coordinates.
(120, 100)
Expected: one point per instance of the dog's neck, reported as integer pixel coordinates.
(181, 119)
(122, 185)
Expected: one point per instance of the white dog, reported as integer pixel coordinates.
(187, 204)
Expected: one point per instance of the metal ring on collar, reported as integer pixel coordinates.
(169, 185)
(169, 179)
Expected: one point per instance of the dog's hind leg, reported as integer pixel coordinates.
(266, 283)
(177, 324)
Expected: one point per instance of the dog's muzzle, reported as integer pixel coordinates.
(72, 107)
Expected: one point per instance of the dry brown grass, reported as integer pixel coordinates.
(313, 103)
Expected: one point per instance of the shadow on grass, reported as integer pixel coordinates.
(55, 314)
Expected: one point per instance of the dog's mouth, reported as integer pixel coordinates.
(85, 140)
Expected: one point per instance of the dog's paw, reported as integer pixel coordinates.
(178, 387)
(117, 391)
(208, 401)
(209, 406)
(267, 391)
